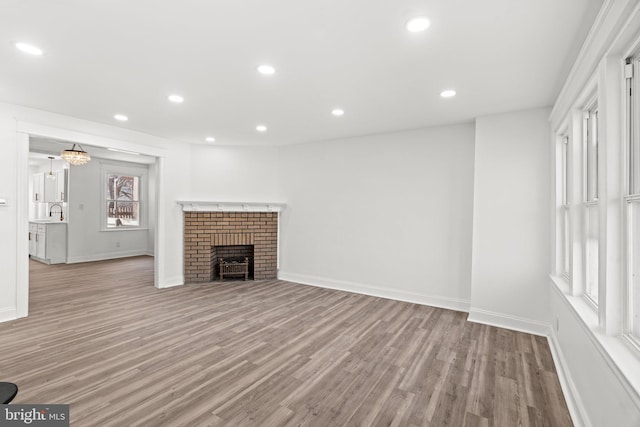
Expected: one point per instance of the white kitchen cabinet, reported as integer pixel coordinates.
(48, 242)
(41, 242)
(61, 188)
(38, 188)
(50, 190)
(33, 233)
(55, 189)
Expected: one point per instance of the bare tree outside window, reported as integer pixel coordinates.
(123, 201)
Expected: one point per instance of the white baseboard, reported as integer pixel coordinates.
(508, 322)
(171, 282)
(7, 314)
(105, 256)
(571, 395)
(431, 300)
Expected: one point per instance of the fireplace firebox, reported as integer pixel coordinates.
(232, 261)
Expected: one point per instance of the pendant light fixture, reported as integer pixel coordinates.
(50, 175)
(76, 157)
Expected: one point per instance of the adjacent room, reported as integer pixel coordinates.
(357, 213)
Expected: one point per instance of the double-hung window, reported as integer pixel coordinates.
(124, 196)
(564, 213)
(632, 199)
(123, 201)
(591, 206)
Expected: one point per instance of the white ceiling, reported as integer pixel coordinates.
(121, 56)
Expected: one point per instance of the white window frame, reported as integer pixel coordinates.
(564, 210)
(607, 324)
(631, 190)
(140, 171)
(590, 196)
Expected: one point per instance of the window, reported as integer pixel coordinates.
(564, 208)
(600, 113)
(632, 198)
(591, 154)
(123, 201)
(592, 220)
(633, 260)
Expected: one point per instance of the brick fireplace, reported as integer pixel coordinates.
(211, 235)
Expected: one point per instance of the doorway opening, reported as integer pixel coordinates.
(72, 214)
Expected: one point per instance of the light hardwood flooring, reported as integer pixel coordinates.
(101, 338)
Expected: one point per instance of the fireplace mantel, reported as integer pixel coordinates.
(213, 206)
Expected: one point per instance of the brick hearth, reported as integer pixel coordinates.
(204, 230)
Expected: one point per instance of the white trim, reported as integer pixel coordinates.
(609, 24)
(358, 288)
(579, 414)
(7, 314)
(158, 245)
(88, 139)
(171, 282)
(627, 41)
(22, 225)
(124, 228)
(507, 321)
(278, 234)
(105, 256)
(621, 360)
(475, 315)
(214, 206)
(632, 129)
(22, 197)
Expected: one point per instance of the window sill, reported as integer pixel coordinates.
(621, 356)
(125, 229)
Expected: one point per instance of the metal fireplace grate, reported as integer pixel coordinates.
(234, 266)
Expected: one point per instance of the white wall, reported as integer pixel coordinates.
(86, 241)
(151, 218)
(386, 215)
(174, 186)
(511, 221)
(8, 215)
(235, 174)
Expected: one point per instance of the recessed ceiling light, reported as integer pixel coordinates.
(338, 112)
(28, 48)
(261, 128)
(419, 24)
(210, 139)
(448, 93)
(121, 117)
(266, 69)
(176, 98)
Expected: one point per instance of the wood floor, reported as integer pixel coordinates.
(101, 338)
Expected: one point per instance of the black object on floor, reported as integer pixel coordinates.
(7, 392)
